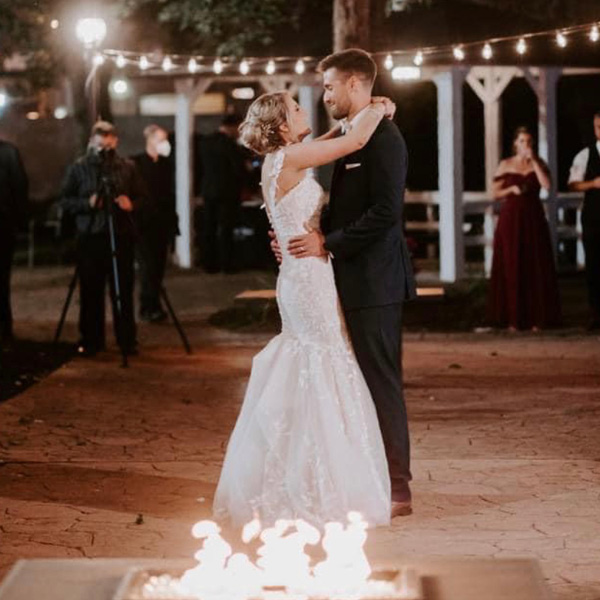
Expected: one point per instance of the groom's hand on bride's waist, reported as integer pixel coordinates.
(307, 245)
(275, 247)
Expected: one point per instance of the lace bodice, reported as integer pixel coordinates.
(299, 208)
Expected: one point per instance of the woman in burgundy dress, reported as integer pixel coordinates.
(523, 287)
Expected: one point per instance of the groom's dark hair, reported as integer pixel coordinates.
(352, 62)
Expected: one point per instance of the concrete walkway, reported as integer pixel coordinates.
(96, 461)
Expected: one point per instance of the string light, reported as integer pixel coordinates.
(521, 46)
(192, 65)
(270, 68)
(459, 53)
(55, 24)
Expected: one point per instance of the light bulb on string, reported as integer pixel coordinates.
(388, 63)
(98, 59)
(120, 61)
(270, 68)
(487, 51)
(218, 66)
(561, 40)
(300, 67)
(521, 46)
(192, 65)
(144, 64)
(594, 34)
(167, 64)
(244, 67)
(418, 59)
(459, 53)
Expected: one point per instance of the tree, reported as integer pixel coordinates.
(25, 30)
(226, 27)
(351, 24)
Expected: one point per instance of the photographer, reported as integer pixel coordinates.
(96, 184)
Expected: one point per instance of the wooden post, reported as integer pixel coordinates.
(308, 98)
(548, 142)
(489, 84)
(187, 93)
(450, 166)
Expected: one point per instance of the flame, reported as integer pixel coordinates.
(283, 568)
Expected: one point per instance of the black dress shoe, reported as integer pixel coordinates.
(401, 509)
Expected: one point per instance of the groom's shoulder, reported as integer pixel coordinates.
(387, 132)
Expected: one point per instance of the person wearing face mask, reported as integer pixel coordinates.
(99, 172)
(156, 220)
(223, 174)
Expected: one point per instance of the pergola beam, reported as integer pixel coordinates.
(451, 177)
(187, 90)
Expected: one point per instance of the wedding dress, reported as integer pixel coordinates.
(307, 442)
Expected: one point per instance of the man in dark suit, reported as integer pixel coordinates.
(222, 179)
(13, 204)
(361, 229)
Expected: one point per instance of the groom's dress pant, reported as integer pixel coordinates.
(376, 335)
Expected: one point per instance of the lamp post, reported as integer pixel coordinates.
(91, 33)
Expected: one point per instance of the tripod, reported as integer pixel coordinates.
(106, 194)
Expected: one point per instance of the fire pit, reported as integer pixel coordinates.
(283, 570)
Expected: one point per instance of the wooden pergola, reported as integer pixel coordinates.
(488, 82)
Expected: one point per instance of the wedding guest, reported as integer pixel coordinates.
(523, 288)
(156, 220)
(585, 177)
(13, 205)
(223, 177)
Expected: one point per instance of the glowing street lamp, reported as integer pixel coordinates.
(91, 31)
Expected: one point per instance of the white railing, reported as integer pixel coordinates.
(479, 203)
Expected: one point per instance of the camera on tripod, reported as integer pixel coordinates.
(108, 172)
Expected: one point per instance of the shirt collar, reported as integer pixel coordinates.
(346, 123)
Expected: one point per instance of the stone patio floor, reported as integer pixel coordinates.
(97, 461)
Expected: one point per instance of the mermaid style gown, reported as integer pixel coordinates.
(307, 442)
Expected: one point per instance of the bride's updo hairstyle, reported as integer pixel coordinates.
(260, 129)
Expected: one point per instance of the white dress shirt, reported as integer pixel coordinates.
(580, 164)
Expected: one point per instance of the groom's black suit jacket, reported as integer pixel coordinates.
(363, 223)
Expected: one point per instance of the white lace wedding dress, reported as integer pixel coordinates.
(307, 442)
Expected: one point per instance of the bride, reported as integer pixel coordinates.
(307, 442)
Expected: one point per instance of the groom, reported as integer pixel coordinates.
(361, 229)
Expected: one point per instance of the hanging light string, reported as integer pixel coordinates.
(199, 64)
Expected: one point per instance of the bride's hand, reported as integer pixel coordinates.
(390, 107)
